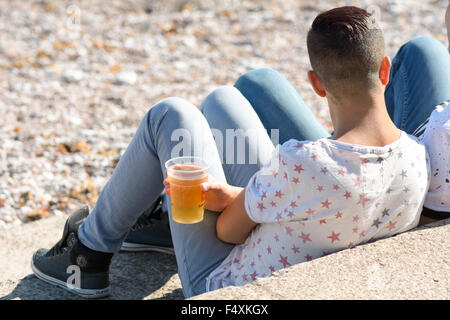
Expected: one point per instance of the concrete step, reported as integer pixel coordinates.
(412, 265)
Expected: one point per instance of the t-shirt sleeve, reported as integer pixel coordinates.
(269, 194)
(437, 142)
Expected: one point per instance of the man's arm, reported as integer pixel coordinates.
(234, 224)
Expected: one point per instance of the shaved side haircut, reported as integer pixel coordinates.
(346, 48)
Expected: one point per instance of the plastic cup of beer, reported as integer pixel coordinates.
(185, 175)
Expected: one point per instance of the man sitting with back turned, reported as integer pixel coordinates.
(307, 197)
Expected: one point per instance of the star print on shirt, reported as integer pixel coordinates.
(334, 237)
(284, 261)
(278, 194)
(326, 204)
(261, 206)
(404, 174)
(264, 195)
(305, 237)
(376, 223)
(289, 230)
(362, 200)
(391, 225)
(298, 168)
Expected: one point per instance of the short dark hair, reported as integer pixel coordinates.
(346, 47)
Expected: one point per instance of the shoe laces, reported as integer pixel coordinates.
(62, 245)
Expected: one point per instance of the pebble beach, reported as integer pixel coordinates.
(76, 78)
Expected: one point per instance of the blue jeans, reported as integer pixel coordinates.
(419, 81)
(260, 100)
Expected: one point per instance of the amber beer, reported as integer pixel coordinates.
(187, 200)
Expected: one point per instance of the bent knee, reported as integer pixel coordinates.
(223, 97)
(177, 112)
(424, 46)
(262, 76)
(172, 106)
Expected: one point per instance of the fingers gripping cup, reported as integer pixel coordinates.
(185, 175)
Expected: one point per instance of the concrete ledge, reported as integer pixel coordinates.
(411, 265)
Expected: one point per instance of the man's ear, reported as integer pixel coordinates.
(385, 69)
(316, 84)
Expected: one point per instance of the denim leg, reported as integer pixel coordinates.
(242, 141)
(419, 81)
(279, 105)
(138, 180)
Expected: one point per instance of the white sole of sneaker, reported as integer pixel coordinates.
(136, 247)
(85, 293)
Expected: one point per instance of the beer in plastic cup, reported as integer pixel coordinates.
(185, 174)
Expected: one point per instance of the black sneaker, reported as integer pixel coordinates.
(73, 266)
(151, 232)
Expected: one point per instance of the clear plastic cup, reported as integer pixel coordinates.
(187, 200)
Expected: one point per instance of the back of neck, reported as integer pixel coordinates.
(363, 121)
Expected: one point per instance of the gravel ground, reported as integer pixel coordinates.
(76, 77)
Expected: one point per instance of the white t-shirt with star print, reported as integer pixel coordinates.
(325, 196)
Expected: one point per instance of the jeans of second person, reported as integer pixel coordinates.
(418, 82)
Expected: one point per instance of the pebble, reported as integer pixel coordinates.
(126, 77)
(73, 76)
(74, 89)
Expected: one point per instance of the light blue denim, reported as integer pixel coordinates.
(419, 81)
(261, 100)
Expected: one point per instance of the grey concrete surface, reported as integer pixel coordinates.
(412, 265)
